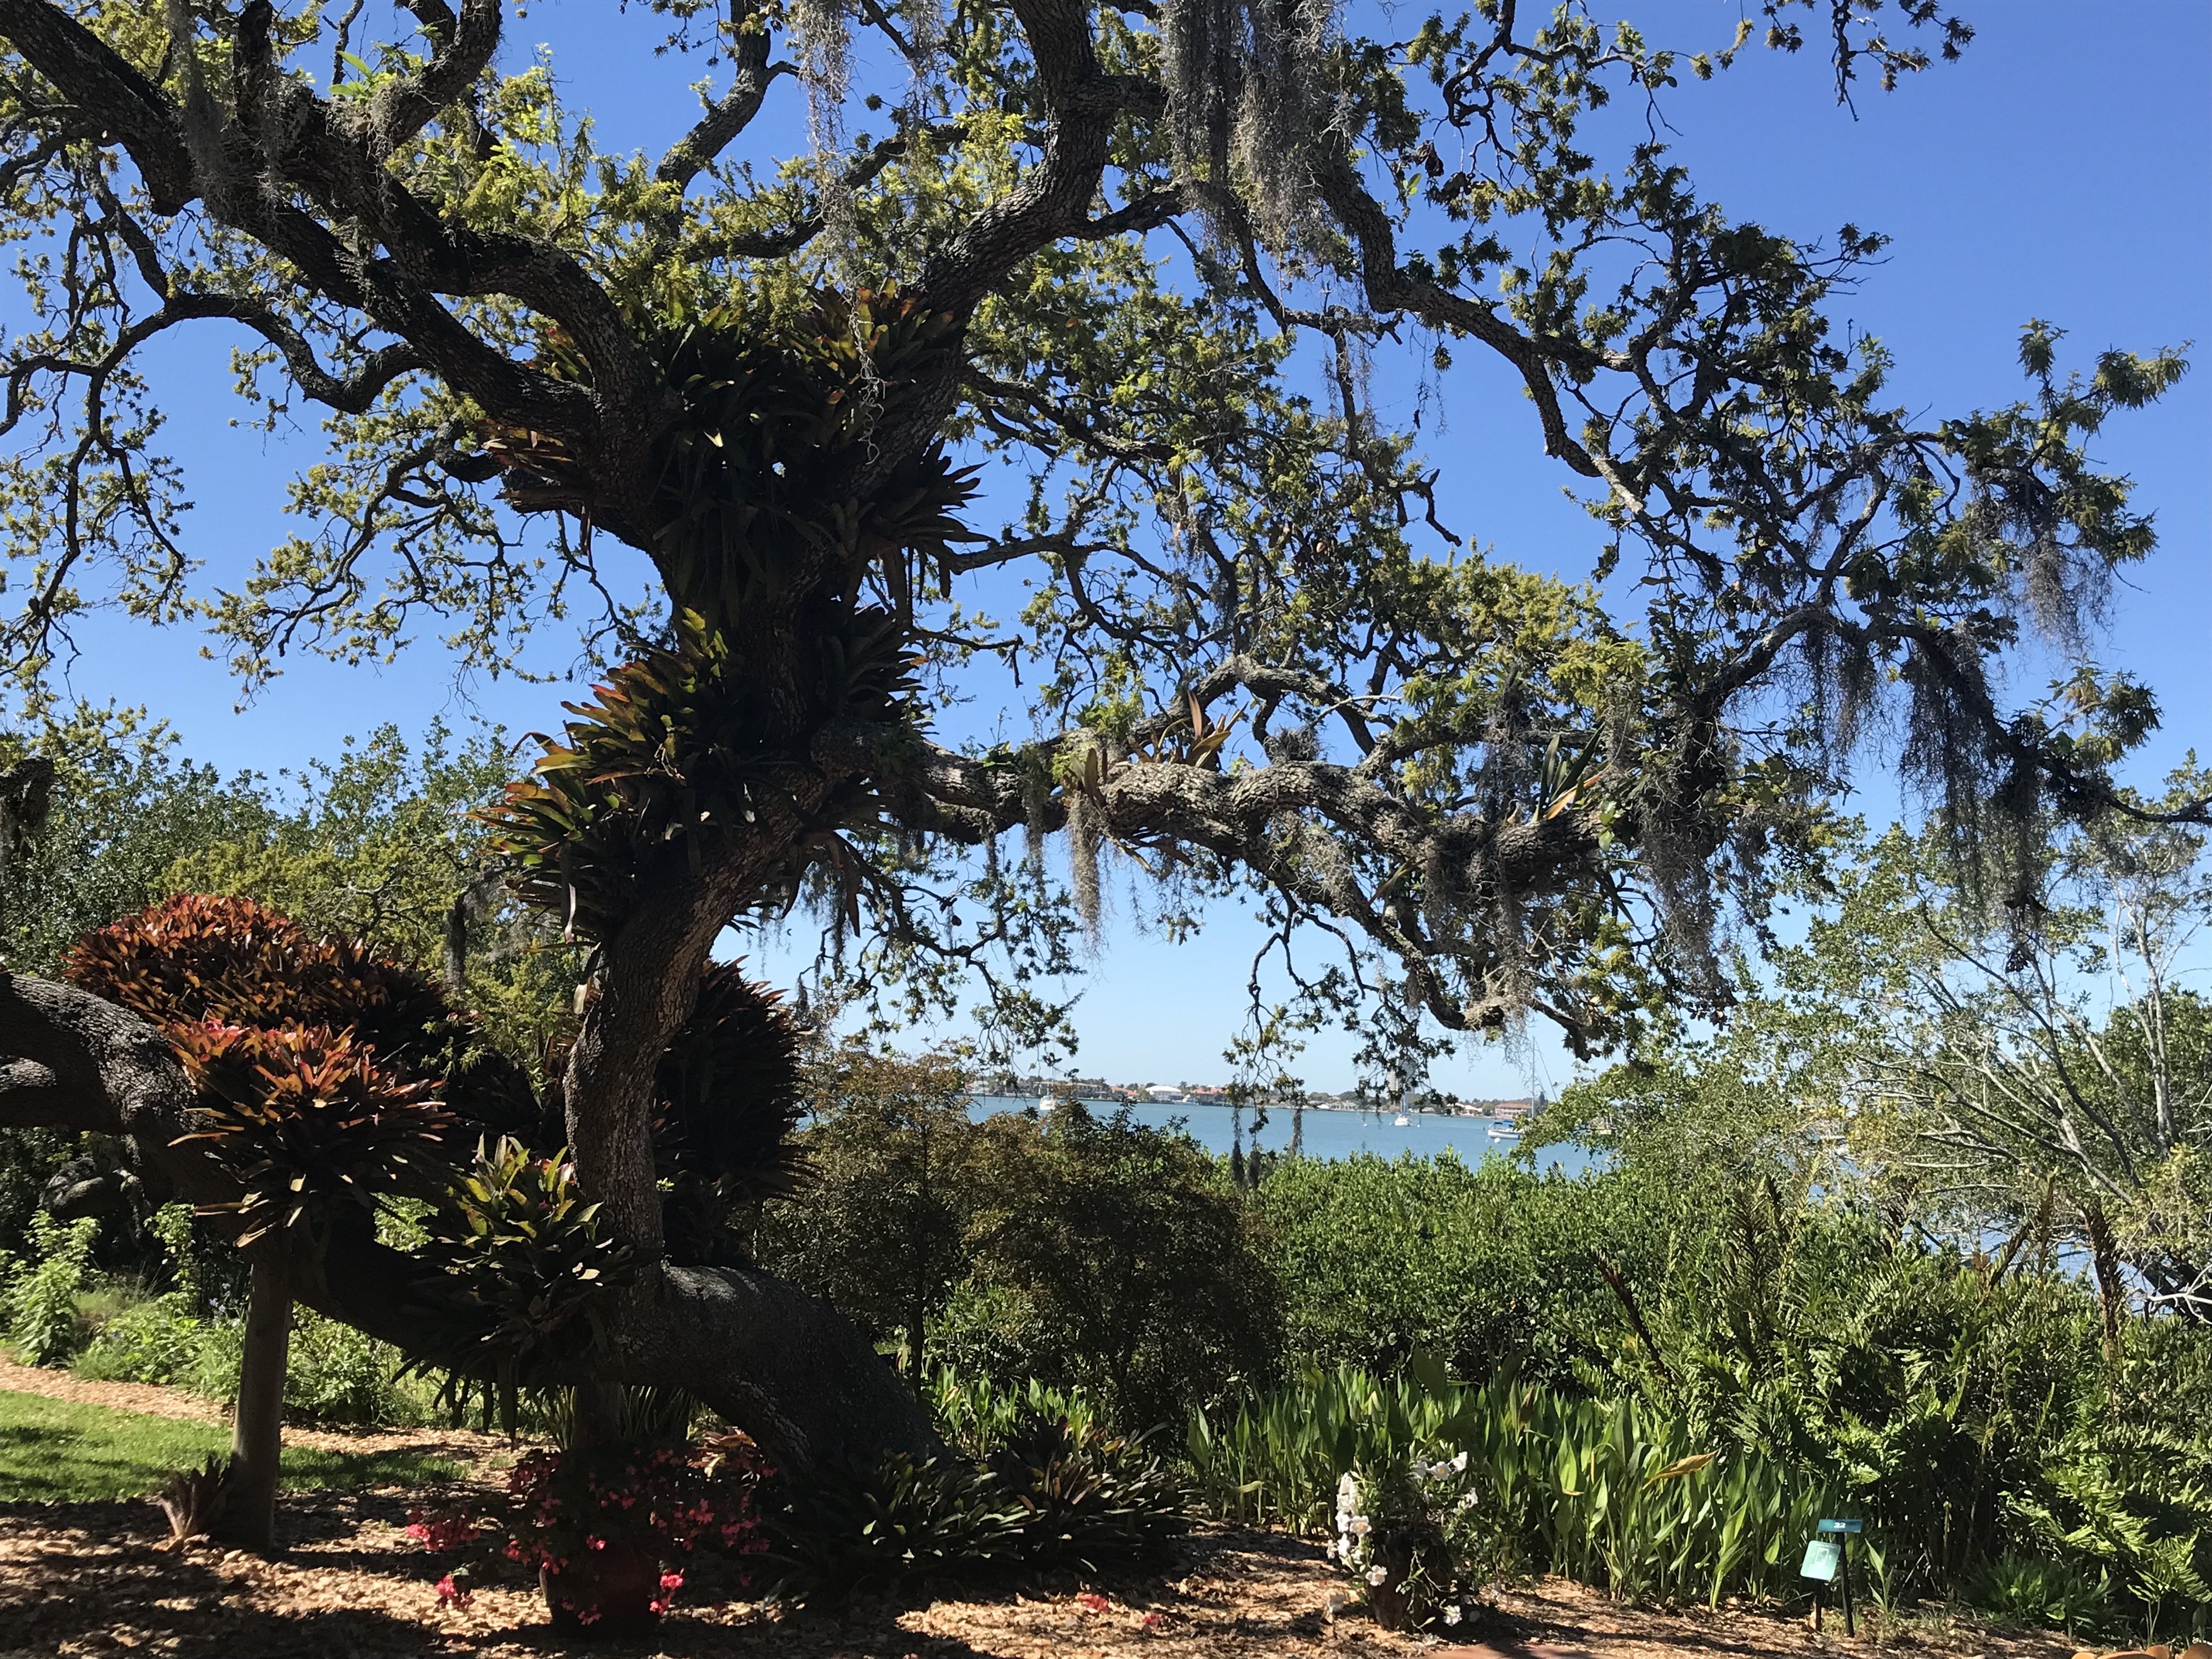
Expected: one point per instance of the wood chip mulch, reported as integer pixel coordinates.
(1557, 1619)
(101, 1579)
(98, 1579)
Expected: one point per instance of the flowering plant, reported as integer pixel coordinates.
(1410, 1531)
(566, 1505)
(568, 1514)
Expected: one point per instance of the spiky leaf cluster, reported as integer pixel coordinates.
(766, 491)
(306, 1120)
(729, 1097)
(522, 1268)
(194, 960)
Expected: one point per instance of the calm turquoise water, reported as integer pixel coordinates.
(1327, 1135)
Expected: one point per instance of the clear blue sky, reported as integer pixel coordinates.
(2062, 170)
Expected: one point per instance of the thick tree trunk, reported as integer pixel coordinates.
(256, 1435)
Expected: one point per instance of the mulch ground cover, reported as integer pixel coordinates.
(84, 1579)
(98, 1579)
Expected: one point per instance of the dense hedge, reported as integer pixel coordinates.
(1485, 1265)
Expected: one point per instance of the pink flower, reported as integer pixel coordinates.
(1094, 1602)
(1150, 1621)
(671, 1581)
(454, 1594)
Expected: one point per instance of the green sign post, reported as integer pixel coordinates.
(1827, 1558)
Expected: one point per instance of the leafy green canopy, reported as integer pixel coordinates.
(2042, 1077)
(1097, 249)
(1094, 1252)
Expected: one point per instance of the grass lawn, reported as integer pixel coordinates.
(60, 1451)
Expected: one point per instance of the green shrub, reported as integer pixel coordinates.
(1142, 1265)
(896, 1177)
(153, 1340)
(988, 1331)
(1487, 1266)
(2025, 1590)
(1099, 1254)
(977, 1414)
(335, 1374)
(1052, 1489)
(41, 1296)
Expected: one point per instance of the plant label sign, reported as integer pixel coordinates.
(1822, 1556)
(1842, 1526)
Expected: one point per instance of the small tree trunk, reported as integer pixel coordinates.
(2105, 1263)
(457, 948)
(256, 1440)
(916, 1336)
(601, 1419)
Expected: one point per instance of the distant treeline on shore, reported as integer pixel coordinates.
(1096, 1091)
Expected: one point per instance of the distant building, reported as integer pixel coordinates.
(1163, 1093)
(1060, 1088)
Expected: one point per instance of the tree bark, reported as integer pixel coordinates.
(256, 1435)
(2105, 1263)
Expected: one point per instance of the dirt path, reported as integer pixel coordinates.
(463, 1445)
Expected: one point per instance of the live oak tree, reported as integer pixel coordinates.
(1102, 251)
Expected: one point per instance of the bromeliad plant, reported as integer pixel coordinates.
(522, 1269)
(316, 1066)
(308, 1122)
(729, 1095)
(754, 499)
(328, 1082)
(1054, 1489)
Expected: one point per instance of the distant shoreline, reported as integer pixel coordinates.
(1271, 1106)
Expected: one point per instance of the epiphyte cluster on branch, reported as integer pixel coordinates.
(791, 551)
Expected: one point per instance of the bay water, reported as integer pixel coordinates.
(1327, 1135)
